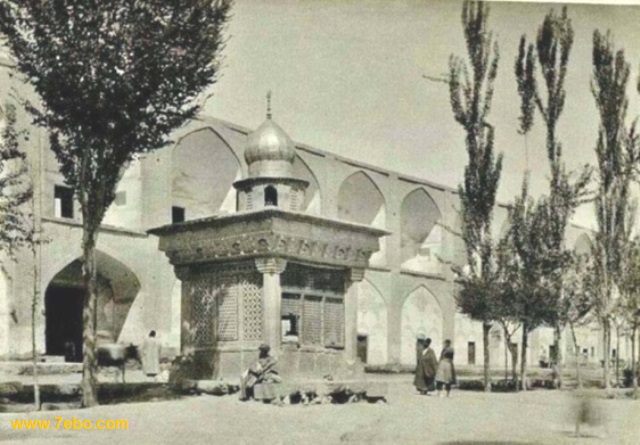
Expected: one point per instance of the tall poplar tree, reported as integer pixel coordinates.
(617, 153)
(567, 189)
(114, 79)
(471, 86)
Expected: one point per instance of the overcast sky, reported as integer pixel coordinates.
(346, 77)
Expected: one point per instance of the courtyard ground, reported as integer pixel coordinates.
(537, 417)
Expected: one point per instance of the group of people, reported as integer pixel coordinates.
(433, 374)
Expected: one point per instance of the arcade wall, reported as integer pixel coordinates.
(407, 291)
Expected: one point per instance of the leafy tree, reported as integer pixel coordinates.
(577, 300)
(471, 91)
(15, 187)
(617, 153)
(567, 190)
(506, 309)
(17, 222)
(527, 264)
(115, 78)
(628, 306)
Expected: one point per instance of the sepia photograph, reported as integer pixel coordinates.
(285, 222)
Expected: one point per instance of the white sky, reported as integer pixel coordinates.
(346, 77)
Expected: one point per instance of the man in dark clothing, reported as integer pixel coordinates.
(425, 368)
(262, 370)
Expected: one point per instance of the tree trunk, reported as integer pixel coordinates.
(506, 353)
(34, 311)
(514, 364)
(89, 363)
(606, 351)
(557, 339)
(577, 349)
(617, 363)
(634, 368)
(523, 362)
(486, 327)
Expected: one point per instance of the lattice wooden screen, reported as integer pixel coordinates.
(203, 306)
(312, 320)
(227, 308)
(216, 299)
(333, 322)
(252, 307)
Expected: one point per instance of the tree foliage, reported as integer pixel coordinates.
(471, 86)
(15, 185)
(617, 154)
(114, 79)
(548, 57)
(471, 103)
(528, 262)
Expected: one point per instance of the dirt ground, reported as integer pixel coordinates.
(538, 417)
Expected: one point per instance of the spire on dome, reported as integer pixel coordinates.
(269, 104)
(269, 152)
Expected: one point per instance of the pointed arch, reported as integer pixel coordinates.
(313, 195)
(421, 315)
(583, 245)
(204, 168)
(361, 201)
(372, 322)
(421, 237)
(118, 287)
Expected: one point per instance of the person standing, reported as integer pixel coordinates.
(426, 366)
(446, 375)
(151, 356)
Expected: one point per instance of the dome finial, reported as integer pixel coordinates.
(269, 104)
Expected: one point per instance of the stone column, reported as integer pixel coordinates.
(271, 268)
(186, 329)
(351, 314)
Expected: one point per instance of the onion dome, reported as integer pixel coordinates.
(270, 151)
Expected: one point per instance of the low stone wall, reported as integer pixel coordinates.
(13, 395)
(296, 391)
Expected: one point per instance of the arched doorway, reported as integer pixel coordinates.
(64, 297)
(372, 323)
(421, 315)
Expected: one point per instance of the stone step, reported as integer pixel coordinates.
(52, 359)
(44, 368)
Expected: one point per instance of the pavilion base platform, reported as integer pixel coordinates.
(228, 363)
(309, 375)
(299, 391)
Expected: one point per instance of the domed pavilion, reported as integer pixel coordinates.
(269, 274)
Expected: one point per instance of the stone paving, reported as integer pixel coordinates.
(467, 418)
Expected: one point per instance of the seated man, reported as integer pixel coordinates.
(261, 371)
